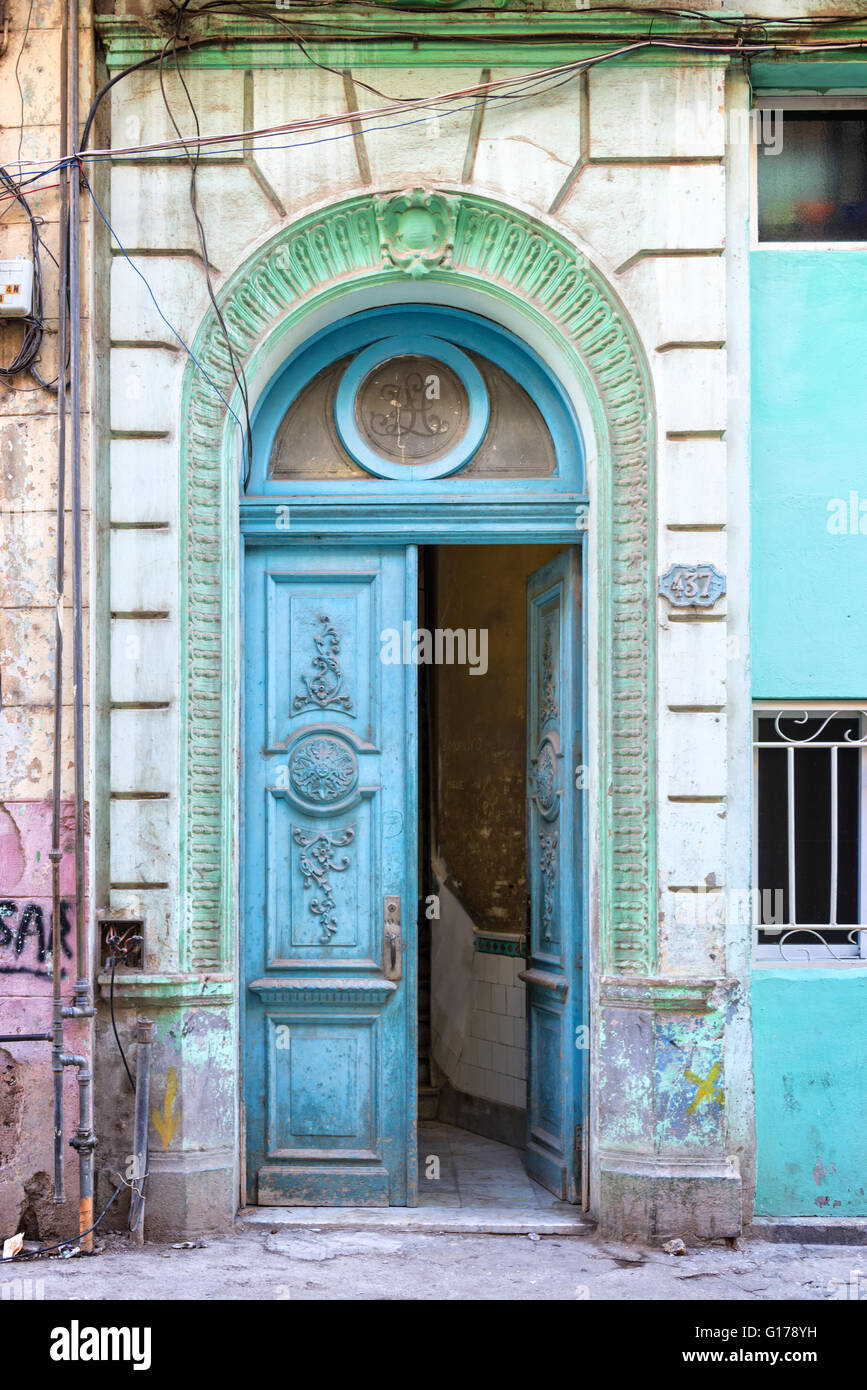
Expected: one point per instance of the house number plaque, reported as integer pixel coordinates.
(692, 586)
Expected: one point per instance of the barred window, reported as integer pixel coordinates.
(810, 847)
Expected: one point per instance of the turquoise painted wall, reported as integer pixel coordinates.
(811, 1096)
(809, 446)
(809, 640)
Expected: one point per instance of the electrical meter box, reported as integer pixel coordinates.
(16, 288)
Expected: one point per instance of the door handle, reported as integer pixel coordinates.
(393, 942)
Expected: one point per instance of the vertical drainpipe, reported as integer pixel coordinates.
(144, 1039)
(85, 1139)
(56, 854)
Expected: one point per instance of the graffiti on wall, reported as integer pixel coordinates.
(26, 937)
(26, 927)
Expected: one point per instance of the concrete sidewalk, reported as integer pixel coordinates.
(259, 1262)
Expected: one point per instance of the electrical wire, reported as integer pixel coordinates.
(40, 188)
(116, 947)
(62, 1244)
(121, 946)
(193, 160)
(488, 89)
(34, 328)
(492, 90)
(518, 87)
(18, 79)
(736, 22)
(192, 356)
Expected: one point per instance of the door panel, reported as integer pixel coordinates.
(553, 977)
(328, 834)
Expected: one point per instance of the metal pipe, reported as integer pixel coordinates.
(144, 1039)
(55, 854)
(82, 983)
(85, 1139)
(84, 1142)
(26, 1037)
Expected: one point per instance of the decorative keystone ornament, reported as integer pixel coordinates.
(692, 586)
(416, 230)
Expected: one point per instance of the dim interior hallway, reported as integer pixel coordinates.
(461, 1170)
(482, 1189)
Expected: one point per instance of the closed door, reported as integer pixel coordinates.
(557, 1036)
(329, 876)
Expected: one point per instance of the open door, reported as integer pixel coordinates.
(329, 873)
(556, 1038)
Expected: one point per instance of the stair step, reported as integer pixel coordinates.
(428, 1102)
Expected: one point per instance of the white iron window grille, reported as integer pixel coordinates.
(810, 833)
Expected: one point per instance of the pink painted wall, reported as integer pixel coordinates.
(26, 1089)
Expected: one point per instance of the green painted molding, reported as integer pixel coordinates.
(846, 71)
(447, 33)
(168, 991)
(420, 38)
(667, 993)
(524, 264)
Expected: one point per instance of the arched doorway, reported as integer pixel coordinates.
(515, 270)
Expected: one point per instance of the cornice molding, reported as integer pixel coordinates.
(434, 33)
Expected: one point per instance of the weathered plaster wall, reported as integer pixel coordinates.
(26, 1102)
(811, 1101)
(28, 519)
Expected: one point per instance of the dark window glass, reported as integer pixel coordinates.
(812, 779)
(812, 176)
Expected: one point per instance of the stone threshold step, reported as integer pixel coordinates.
(811, 1230)
(437, 1221)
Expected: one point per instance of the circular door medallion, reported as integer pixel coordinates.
(412, 407)
(323, 769)
(545, 790)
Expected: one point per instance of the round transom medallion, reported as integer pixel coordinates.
(412, 409)
(323, 769)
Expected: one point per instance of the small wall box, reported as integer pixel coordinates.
(16, 288)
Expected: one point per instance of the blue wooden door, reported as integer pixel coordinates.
(329, 876)
(556, 1032)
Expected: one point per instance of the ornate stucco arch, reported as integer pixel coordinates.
(370, 242)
